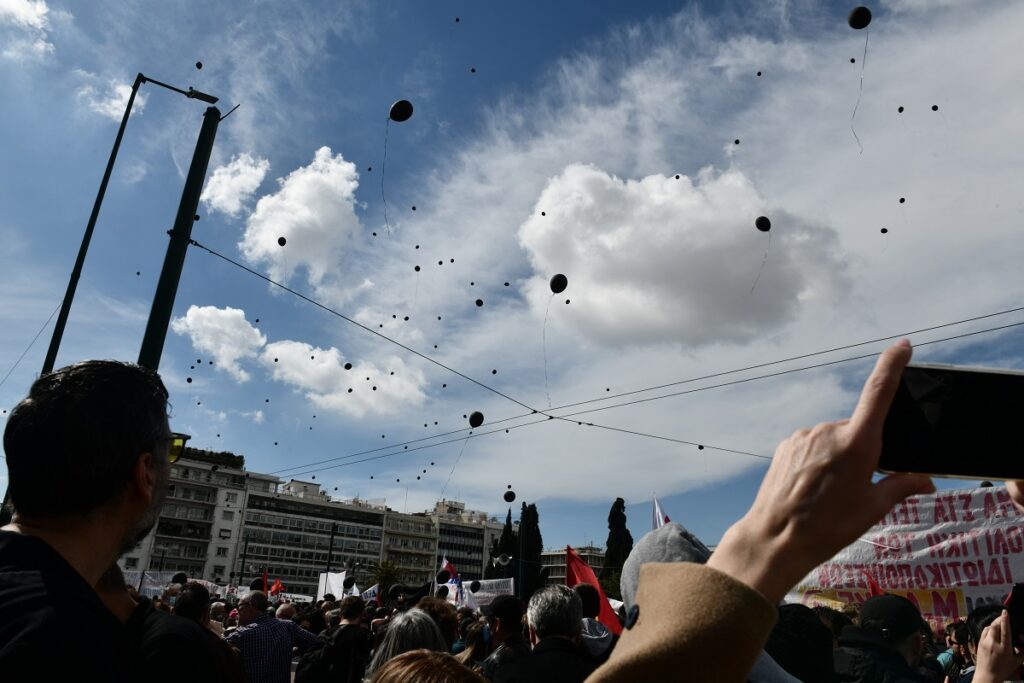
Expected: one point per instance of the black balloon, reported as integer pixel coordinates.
(559, 283)
(442, 592)
(510, 496)
(859, 18)
(763, 224)
(476, 419)
(401, 111)
(443, 576)
(348, 582)
(180, 577)
(282, 241)
(474, 586)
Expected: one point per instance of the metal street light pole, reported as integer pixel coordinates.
(76, 272)
(181, 234)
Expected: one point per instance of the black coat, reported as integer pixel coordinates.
(553, 660)
(863, 657)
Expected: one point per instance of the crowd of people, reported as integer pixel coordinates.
(88, 459)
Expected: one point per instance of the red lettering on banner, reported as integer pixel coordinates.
(1008, 574)
(952, 568)
(999, 544)
(941, 515)
(971, 573)
(995, 572)
(945, 609)
(965, 501)
(936, 571)
(1014, 540)
(920, 578)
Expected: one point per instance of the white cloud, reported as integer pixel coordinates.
(24, 29)
(667, 258)
(223, 333)
(111, 101)
(368, 388)
(314, 211)
(232, 185)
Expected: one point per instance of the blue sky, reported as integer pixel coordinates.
(559, 154)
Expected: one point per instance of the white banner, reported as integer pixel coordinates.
(492, 588)
(947, 552)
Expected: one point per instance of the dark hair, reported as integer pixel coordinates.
(443, 614)
(425, 666)
(590, 598)
(979, 618)
(833, 619)
(352, 607)
(258, 600)
(801, 644)
(72, 443)
(328, 597)
(193, 601)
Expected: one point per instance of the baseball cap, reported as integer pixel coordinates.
(508, 608)
(893, 617)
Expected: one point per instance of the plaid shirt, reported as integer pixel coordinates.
(266, 647)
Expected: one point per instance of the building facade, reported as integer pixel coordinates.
(291, 531)
(554, 560)
(410, 543)
(464, 537)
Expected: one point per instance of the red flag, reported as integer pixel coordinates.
(278, 587)
(265, 584)
(578, 571)
(873, 587)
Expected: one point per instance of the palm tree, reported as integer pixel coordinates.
(386, 575)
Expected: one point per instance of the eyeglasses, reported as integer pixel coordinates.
(177, 446)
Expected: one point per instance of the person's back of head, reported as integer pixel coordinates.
(410, 630)
(218, 612)
(477, 636)
(285, 611)
(443, 612)
(75, 442)
(896, 622)
(554, 612)
(834, 620)
(590, 600)
(193, 603)
(801, 644)
(425, 666)
(978, 620)
(350, 609)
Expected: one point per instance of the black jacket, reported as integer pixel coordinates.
(863, 657)
(553, 660)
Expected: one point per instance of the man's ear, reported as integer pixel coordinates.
(533, 635)
(144, 477)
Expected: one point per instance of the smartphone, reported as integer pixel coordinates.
(1014, 605)
(960, 422)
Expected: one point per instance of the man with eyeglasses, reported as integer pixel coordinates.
(88, 456)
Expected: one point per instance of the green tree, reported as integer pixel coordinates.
(385, 575)
(533, 546)
(620, 541)
(610, 585)
(506, 544)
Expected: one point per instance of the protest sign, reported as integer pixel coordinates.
(947, 552)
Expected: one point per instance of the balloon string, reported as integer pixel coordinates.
(461, 451)
(764, 259)
(863, 64)
(544, 338)
(383, 168)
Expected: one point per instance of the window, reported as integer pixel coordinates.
(218, 569)
(222, 551)
(225, 533)
(131, 562)
(227, 515)
(231, 497)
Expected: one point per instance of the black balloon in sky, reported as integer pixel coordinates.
(348, 582)
(510, 496)
(476, 419)
(559, 283)
(474, 586)
(763, 224)
(859, 18)
(400, 111)
(282, 241)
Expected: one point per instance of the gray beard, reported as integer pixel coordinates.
(141, 529)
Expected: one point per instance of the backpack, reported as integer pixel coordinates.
(317, 662)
